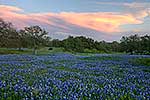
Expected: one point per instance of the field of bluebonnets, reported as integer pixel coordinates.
(73, 77)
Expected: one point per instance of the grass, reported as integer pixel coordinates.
(100, 58)
(41, 51)
(14, 51)
(44, 50)
(40, 71)
(141, 61)
(66, 69)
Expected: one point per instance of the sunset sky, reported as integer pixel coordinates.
(99, 19)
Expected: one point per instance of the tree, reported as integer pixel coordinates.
(37, 36)
(55, 43)
(8, 35)
(23, 39)
(78, 44)
(115, 46)
(135, 44)
(69, 44)
(145, 44)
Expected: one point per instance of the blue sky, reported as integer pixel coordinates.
(99, 19)
(68, 5)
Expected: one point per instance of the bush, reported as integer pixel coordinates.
(50, 49)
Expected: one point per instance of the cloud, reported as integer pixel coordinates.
(105, 22)
(138, 5)
(130, 5)
(110, 3)
(132, 8)
(10, 8)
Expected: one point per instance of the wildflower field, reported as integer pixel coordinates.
(74, 77)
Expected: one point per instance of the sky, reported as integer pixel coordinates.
(107, 20)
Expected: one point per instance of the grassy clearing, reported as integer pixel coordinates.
(44, 51)
(14, 51)
(41, 51)
(141, 61)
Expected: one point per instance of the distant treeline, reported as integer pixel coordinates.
(36, 37)
(133, 44)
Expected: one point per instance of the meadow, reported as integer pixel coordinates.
(63, 76)
(74, 50)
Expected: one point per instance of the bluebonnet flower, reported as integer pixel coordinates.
(70, 77)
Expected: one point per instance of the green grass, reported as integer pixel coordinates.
(100, 58)
(44, 50)
(40, 71)
(66, 69)
(126, 97)
(14, 51)
(141, 61)
(40, 51)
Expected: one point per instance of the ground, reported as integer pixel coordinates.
(71, 77)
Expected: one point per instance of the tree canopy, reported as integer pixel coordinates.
(29, 37)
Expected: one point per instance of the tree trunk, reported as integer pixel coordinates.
(20, 49)
(35, 48)
(34, 51)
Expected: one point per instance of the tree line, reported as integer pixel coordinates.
(36, 37)
(133, 44)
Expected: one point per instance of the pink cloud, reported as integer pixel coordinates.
(109, 22)
(100, 21)
(10, 8)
